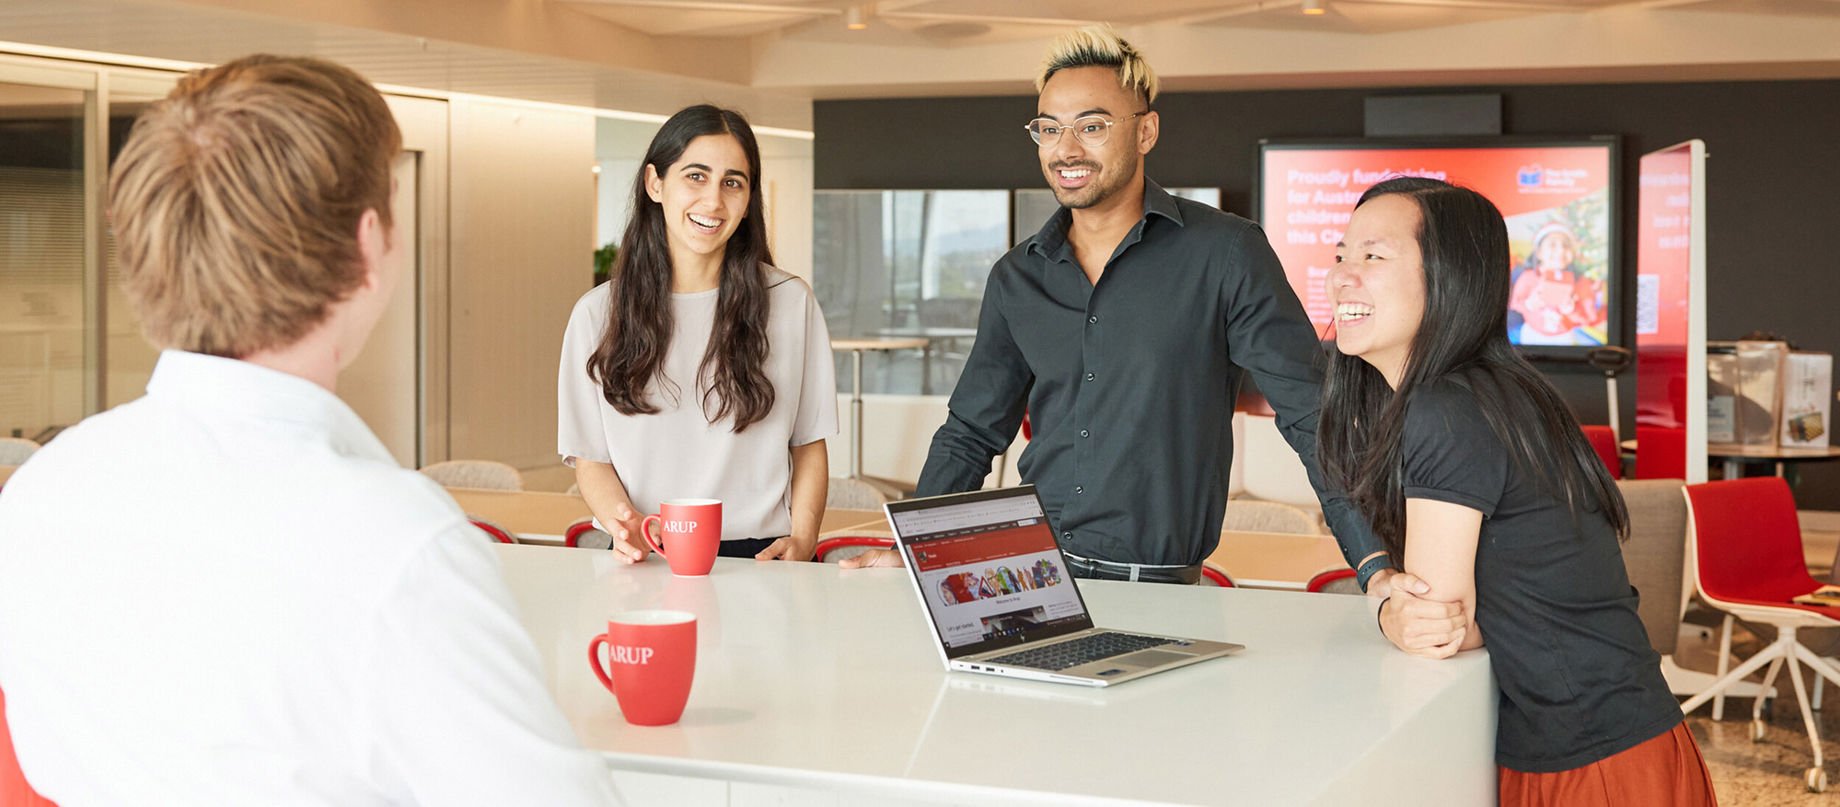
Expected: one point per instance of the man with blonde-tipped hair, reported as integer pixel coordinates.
(1122, 328)
(227, 592)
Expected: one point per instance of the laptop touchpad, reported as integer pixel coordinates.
(1152, 658)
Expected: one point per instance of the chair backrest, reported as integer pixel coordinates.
(483, 474)
(1655, 553)
(14, 790)
(1661, 453)
(1212, 575)
(1253, 515)
(1335, 581)
(1747, 541)
(499, 534)
(1273, 472)
(834, 550)
(15, 450)
(585, 535)
(852, 494)
(1603, 440)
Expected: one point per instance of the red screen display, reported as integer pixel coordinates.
(1556, 199)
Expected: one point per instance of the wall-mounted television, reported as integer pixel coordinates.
(1559, 197)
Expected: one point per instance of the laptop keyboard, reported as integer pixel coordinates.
(1081, 651)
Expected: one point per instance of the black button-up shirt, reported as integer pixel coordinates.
(1130, 384)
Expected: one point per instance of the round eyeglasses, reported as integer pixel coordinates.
(1091, 130)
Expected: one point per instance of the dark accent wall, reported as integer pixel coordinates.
(1773, 180)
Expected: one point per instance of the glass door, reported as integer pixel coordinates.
(50, 272)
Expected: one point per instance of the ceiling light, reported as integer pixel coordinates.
(1315, 8)
(856, 18)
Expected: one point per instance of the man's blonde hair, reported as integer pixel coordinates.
(235, 202)
(1100, 46)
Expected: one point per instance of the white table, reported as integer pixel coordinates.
(817, 685)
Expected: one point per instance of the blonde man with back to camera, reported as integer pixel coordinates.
(227, 591)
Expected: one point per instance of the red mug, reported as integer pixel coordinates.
(652, 656)
(692, 528)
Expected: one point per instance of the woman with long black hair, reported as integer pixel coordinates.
(699, 370)
(1473, 471)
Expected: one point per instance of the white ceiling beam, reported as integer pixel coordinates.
(1654, 4)
(1220, 14)
(934, 16)
(1482, 5)
(697, 5)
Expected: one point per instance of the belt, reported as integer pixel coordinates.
(1094, 569)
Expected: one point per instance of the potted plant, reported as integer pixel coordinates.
(603, 261)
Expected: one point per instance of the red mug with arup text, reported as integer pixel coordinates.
(651, 660)
(691, 529)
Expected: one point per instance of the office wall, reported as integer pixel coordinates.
(785, 167)
(1771, 174)
(522, 207)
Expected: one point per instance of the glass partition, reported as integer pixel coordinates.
(907, 264)
(43, 249)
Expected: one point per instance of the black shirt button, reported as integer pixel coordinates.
(1085, 433)
(1089, 376)
(1078, 489)
(1066, 536)
(1092, 320)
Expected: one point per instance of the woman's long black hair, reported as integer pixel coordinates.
(632, 351)
(1463, 337)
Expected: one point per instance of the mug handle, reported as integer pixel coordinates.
(645, 529)
(594, 660)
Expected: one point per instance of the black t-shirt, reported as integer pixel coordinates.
(1579, 681)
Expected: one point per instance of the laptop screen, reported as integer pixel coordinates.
(988, 569)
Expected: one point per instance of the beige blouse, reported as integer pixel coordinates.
(677, 453)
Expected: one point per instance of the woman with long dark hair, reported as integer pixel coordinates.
(1473, 472)
(699, 370)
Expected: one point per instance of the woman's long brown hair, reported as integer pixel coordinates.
(631, 354)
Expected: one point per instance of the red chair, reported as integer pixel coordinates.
(1661, 453)
(15, 791)
(1745, 556)
(1603, 439)
(1212, 575)
(1321, 582)
(499, 534)
(826, 547)
(585, 535)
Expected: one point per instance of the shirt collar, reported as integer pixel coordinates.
(1051, 239)
(240, 390)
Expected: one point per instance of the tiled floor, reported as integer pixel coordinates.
(1769, 773)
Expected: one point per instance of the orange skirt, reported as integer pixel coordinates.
(1666, 771)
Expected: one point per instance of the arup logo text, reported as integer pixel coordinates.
(623, 654)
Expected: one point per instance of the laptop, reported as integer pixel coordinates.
(1001, 600)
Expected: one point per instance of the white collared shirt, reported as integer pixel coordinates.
(227, 592)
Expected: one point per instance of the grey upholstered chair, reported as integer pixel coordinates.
(853, 494)
(1255, 515)
(15, 450)
(1655, 555)
(485, 474)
